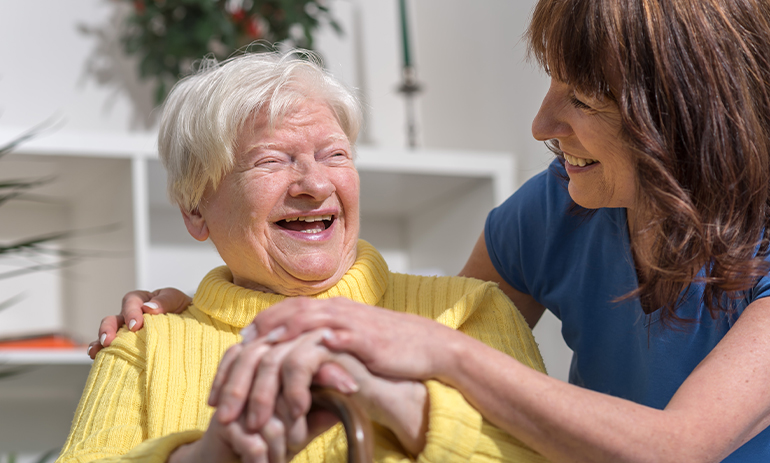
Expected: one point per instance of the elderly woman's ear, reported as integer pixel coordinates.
(196, 224)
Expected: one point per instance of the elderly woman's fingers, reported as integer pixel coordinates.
(238, 380)
(296, 429)
(302, 430)
(335, 376)
(249, 447)
(223, 372)
(301, 369)
(304, 355)
(399, 405)
(274, 435)
(267, 383)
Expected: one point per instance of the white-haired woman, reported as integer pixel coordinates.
(259, 158)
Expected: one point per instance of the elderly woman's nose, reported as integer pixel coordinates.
(549, 122)
(312, 180)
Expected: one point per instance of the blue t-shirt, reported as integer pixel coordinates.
(577, 264)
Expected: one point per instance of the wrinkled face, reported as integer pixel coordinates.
(285, 219)
(598, 162)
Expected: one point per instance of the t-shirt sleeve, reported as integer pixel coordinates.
(516, 232)
(762, 288)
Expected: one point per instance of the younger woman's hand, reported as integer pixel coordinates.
(136, 303)
(390, 344)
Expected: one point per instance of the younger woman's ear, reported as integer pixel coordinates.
(196, 224)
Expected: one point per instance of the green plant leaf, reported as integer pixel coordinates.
(23, 184)
(31, 242)
(47, 124)
(14, 371)
(12, 301)
(336, 26)
(47, 456)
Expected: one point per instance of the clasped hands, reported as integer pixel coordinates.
(262, 397)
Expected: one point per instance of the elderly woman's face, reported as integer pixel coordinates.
(285, 219)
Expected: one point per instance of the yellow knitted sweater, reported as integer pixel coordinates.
(146, 393)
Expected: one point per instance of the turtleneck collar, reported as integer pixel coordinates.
(219, 298)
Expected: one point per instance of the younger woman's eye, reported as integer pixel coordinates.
(577, 103)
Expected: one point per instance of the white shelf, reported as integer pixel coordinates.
(44, 357)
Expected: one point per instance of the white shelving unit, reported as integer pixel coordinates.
(423, 210)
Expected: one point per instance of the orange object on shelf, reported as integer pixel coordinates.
(53, 341)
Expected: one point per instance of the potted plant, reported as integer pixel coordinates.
(168, 36)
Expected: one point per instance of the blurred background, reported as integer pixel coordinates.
(433, 163)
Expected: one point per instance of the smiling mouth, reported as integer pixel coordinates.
(578, 162)
(307, 224)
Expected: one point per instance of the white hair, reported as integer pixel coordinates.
(205, 112)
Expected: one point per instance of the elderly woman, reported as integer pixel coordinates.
(648, 237)
(259, 157)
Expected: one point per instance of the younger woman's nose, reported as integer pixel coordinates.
(550, 123)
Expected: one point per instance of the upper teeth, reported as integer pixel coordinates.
(578, 161)
(310, 218)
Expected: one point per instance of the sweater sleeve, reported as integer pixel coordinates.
(110, 422)
(456, 430)
(458, 433)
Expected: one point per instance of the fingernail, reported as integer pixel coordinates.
(329, 335)
(102, 338)
(152, 305)
(276, 334)
(88, 351)
(348, 386)
(131, 324)
(249, 334)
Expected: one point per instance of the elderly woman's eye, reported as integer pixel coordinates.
(264, 161)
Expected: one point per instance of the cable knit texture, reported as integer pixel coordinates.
(146, 393)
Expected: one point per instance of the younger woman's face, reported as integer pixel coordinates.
(588, 131)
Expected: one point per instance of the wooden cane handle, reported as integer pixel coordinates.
(358, 426)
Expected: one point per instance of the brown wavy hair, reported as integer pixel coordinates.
(694, 100)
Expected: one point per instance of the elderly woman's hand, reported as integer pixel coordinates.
(230, 442)
(277, 440)
(256, 376)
